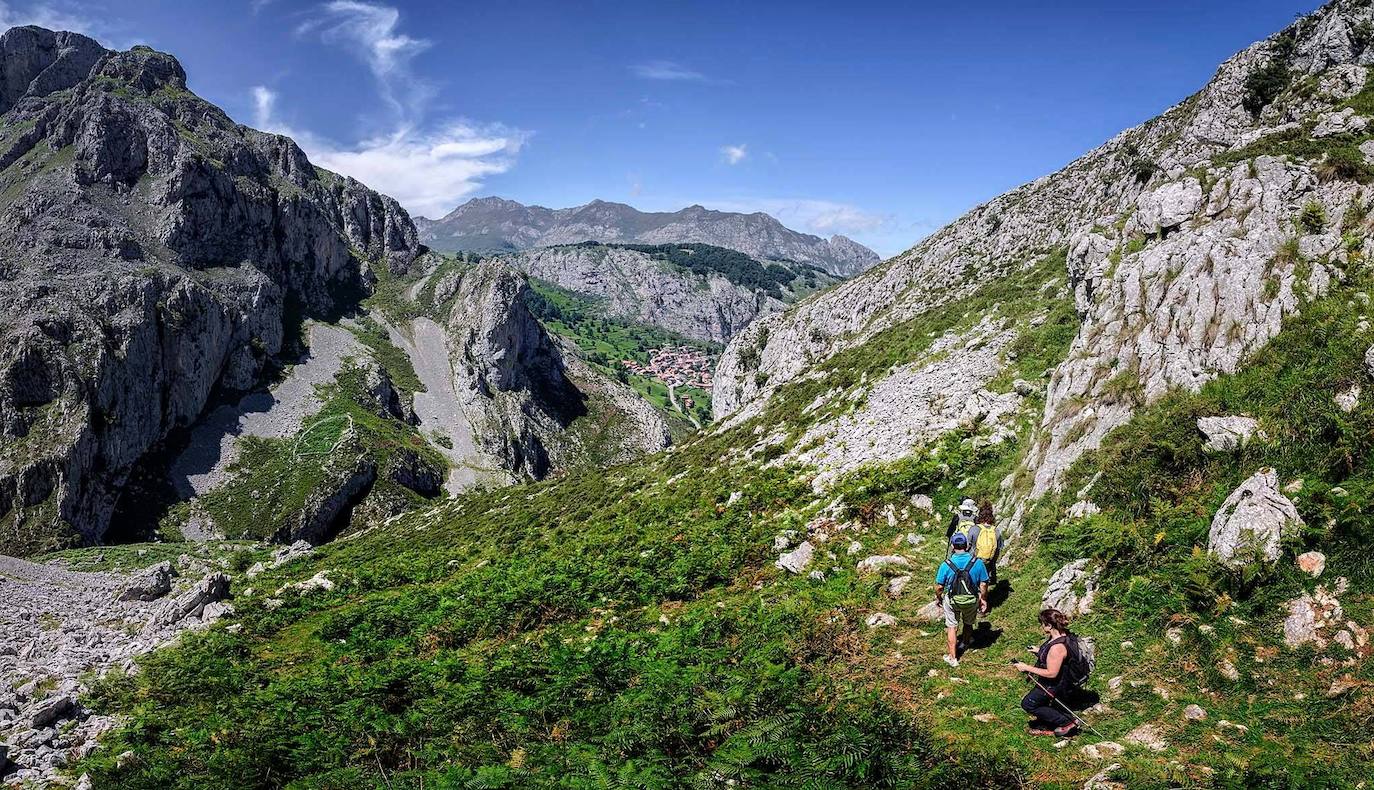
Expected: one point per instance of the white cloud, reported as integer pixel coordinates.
(734, 154)
(44, 15)
(429, 165)
(428, 172)
(371, 33)
(666, 70)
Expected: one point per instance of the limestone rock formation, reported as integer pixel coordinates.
(639, 287)
(151, 247)
(493, 224)
(1072, 588)
(1251, 522)
(1181, 261)
(1227, 433)
(522, 392)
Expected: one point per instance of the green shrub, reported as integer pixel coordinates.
(1312, 219)
(1264, 84)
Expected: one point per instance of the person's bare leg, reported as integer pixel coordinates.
(952, 639)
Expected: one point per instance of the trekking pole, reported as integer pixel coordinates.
(1066, 708)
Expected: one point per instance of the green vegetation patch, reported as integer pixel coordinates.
(606, 341)
(272, 479)
(395, 361)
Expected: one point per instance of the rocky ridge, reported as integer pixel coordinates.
(639, 288)
(497, 225)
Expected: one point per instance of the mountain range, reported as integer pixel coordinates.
(493, 224)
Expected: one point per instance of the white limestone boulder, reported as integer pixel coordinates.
(1252, 521)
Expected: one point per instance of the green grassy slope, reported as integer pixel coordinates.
(629, 629)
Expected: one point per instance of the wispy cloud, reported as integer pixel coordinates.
(666, 70)
(428, 164)
(734, 154)
(371, 33)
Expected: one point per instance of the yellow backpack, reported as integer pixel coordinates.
(987, 542)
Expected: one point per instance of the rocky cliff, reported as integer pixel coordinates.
(152, 247)
(641, 287)
(497, 225)
(533, 408)
(1186, 241)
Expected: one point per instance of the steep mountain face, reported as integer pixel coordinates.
(522, 393)
(497, 225)
(641, 286)
(152, 247)
(1184, 249)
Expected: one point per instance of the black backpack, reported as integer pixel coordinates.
(962, 586)
(1079, 663)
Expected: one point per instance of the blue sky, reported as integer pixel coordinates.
(881, 121)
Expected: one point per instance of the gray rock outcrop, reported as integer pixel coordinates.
(151, 247)
(1251, 522)
(1072, 588)
(1227, 433)
(150, 584)
(523, 393)
(640, 288)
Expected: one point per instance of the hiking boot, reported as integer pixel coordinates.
(1042, 731)
(952, 661)
(1068, 729)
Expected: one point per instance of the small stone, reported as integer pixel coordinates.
(880, 620)
(1148, 736)
(923, 502)
(1348, 400)
(986, 718)
(1127, 645)
(796, 560)
(855, 547)
(1194, 713)
(931, 613)
(879, 562)
(816, 576)
(1312, 563)
(1103, 750)
(897, 585)
(1228, 670)
(1174, 635)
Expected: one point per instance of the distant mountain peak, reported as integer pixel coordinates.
(493, 224)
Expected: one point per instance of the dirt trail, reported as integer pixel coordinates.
(438, 407)
(277, 413)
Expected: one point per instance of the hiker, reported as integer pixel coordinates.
(1054, 677)
(985, 540)
(965, 520)
(961, 590)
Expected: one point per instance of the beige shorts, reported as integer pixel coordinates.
(960, 616)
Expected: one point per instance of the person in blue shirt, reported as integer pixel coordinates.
(961, 589)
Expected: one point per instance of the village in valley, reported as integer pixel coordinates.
(676, 366)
